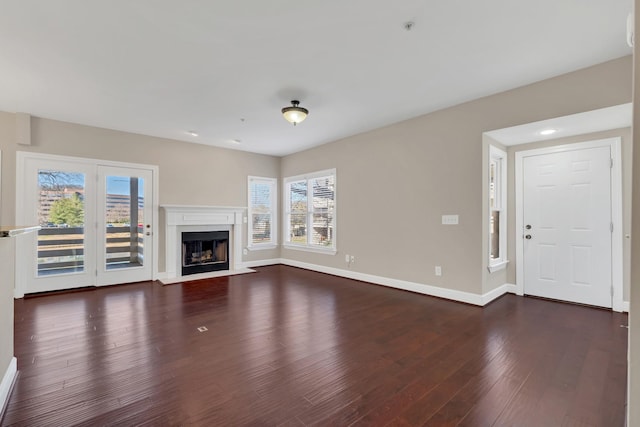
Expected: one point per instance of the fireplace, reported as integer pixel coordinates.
(181, 220)
(203, 252)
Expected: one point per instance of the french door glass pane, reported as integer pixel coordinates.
(124, 221)
(61, 214)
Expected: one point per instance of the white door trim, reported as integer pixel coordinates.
(616, 211)
(22, 156)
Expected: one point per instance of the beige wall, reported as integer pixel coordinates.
(190, 174)
(7, 258)
(627, 148)
(394, 183)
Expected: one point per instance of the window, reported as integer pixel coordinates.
(310, 206)
(262, 211)
(497, 209)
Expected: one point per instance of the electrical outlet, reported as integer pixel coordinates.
(245, 251)
(353, 259)
(438, 270)
(346, 258)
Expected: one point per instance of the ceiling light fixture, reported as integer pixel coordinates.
(548, 132)
(294, 114)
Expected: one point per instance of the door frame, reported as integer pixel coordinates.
(23, 248)
(617, 260)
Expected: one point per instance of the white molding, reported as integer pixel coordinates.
(262, 246)
(179, 218)
(625, 306)
(451, 294)
(421, 288)
(7, 383)
(498, 266)
(263, 262)
(304, 248)
(496, 293)
(616, 211)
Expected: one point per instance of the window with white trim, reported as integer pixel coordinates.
(262, 212)
(497, 208)
(310, 211)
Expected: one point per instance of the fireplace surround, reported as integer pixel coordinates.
(181, 219)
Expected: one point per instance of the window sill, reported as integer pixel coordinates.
(263, 247)
(319, 250)
(498, 266)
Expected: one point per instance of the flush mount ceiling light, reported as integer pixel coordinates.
(548, 132)
(294, 114)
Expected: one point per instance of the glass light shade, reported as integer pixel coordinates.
(294, 114)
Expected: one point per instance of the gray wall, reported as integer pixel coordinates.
(394, 183)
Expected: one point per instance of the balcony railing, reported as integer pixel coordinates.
(61, 250)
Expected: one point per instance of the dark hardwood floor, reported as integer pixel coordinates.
(285, 346)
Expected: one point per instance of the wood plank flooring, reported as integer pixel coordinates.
(290, 347)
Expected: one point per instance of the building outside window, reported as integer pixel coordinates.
(310, 211)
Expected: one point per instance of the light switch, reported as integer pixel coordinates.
(450, 219)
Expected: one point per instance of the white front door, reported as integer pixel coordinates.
(567, 226)
(96, 223)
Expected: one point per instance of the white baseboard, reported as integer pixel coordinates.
(496, 293)
(451, 294)
(263, 262)
(7, 383)
(421, 288)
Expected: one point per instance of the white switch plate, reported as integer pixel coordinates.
(450, 219)
(438, 270)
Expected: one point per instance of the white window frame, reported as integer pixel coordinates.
(273, 211)
(499, 158)
(286, 237)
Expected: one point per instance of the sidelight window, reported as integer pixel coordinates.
(497, 208)
(262, 212)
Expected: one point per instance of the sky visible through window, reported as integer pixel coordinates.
(115, 184)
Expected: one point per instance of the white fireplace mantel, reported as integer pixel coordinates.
(183, 218)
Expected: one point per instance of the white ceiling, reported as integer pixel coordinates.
(164, 67)
(616, 117)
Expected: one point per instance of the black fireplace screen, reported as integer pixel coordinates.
(205, 251)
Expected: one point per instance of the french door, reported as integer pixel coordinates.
(96, 223)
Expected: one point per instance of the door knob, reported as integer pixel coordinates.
(528, 236)
(528, 226)
(148, 233)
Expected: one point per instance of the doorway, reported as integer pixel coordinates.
(97, 222)
(569, 223)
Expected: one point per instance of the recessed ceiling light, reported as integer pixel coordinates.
(192, 133)
(548, 132)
